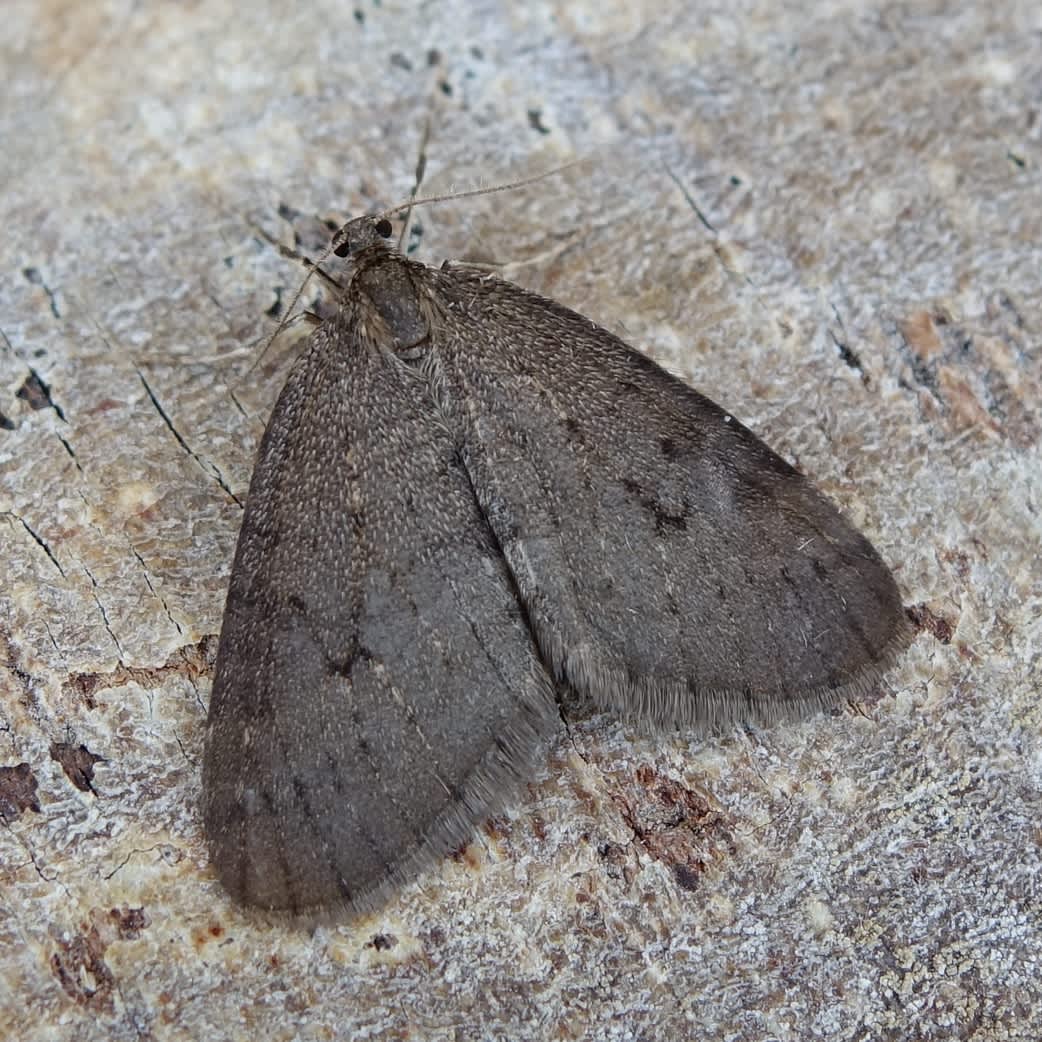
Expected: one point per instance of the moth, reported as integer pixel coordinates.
(466, 497)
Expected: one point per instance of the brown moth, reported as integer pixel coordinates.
(466, 495)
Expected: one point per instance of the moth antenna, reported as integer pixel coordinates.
(510, 185)
(421, 169)
(312, 266)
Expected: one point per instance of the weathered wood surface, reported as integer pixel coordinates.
(863, 290)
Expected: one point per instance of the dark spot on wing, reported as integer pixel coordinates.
(665, 520)
(345, 664)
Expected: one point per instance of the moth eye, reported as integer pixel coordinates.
(383, 228)
(343, 249)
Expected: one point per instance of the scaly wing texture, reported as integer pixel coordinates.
(673, 567)
(376, 687)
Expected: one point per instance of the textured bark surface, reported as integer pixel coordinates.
(829, 221)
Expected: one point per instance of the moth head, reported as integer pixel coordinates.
(360, 233)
